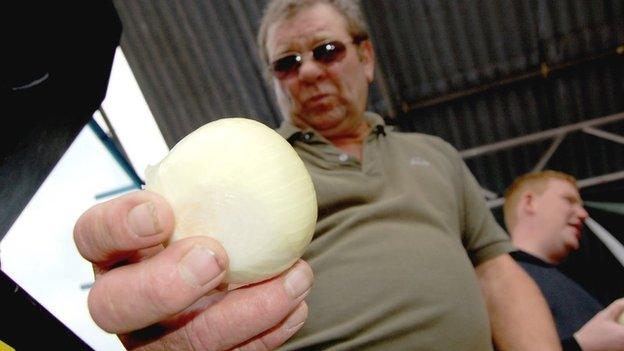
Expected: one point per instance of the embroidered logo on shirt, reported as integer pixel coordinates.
(419, 161)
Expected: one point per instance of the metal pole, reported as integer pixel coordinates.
(547, 134)
(583, 183)
(605, 178)
(605, 135)
(548, 154)
(116, 153)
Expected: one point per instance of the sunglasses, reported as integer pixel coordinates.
(326, 53)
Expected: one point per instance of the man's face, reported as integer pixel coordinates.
(560, 213)
(328, 97)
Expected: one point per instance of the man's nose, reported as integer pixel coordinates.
(311, 70)
(582, 213)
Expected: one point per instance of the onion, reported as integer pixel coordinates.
(239, 182)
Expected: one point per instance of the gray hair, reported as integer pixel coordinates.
(277, 10)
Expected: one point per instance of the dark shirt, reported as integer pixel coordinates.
(569, 303)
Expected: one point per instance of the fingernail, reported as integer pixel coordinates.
(298, 281)
(143, 221)
(199, 266)
(297, 318)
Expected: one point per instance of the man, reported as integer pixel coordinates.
(406, 254)
(544, 214)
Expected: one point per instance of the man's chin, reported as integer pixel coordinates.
(573, 245)
(323, 123)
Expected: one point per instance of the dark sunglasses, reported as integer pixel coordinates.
(325, 53)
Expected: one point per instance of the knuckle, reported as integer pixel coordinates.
(207, 332)
(159, 290)
(88, 231)
(80, 240)
(259, 344)
(221, 328)
(113, 228)
(265, 309)
(263, 306)
(101, 306)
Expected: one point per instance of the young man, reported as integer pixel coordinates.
(406, 254)
(544, 215)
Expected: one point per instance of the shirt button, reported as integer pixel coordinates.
(343, 157)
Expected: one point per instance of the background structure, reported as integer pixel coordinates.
(514, 85)
(472, 72)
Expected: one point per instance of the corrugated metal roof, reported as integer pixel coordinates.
(473, 72)
(195, 61)
(543, 103)
(428, 48)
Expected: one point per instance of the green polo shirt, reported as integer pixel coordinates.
(396, 242)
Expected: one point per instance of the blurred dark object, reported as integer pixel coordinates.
(27, 325)
(57, 61)
(58, 57)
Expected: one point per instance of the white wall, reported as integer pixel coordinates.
(131, 118)
(38, 251)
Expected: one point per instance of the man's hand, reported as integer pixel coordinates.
(603, 332)
(166, 298)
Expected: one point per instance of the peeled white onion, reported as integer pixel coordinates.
(239, 182)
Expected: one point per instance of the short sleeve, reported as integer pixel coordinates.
(482, 236)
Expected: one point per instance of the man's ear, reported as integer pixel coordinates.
(527, 203)
(366, 54)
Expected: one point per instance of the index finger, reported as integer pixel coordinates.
(113, 230)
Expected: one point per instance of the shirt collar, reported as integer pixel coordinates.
(527, 257)
(289, 131)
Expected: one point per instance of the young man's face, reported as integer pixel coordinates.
(560, 215)
(329, 97)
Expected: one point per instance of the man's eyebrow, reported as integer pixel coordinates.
(313, 43)
(574, 198)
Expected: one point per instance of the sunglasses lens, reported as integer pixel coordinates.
(329, 52)
(326, 54)
(286, 65)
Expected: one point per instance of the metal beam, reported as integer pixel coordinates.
(496, 203)
(559, 134)
(606, 178)
(531, 138)
(489, 194)
(116, 153)
(544, 71)
(548, 154)
(583, 183)
(605, 135)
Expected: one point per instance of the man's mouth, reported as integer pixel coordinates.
(316, 99)
(578, 228)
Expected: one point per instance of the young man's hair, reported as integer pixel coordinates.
(535, 182)
(278, 10)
